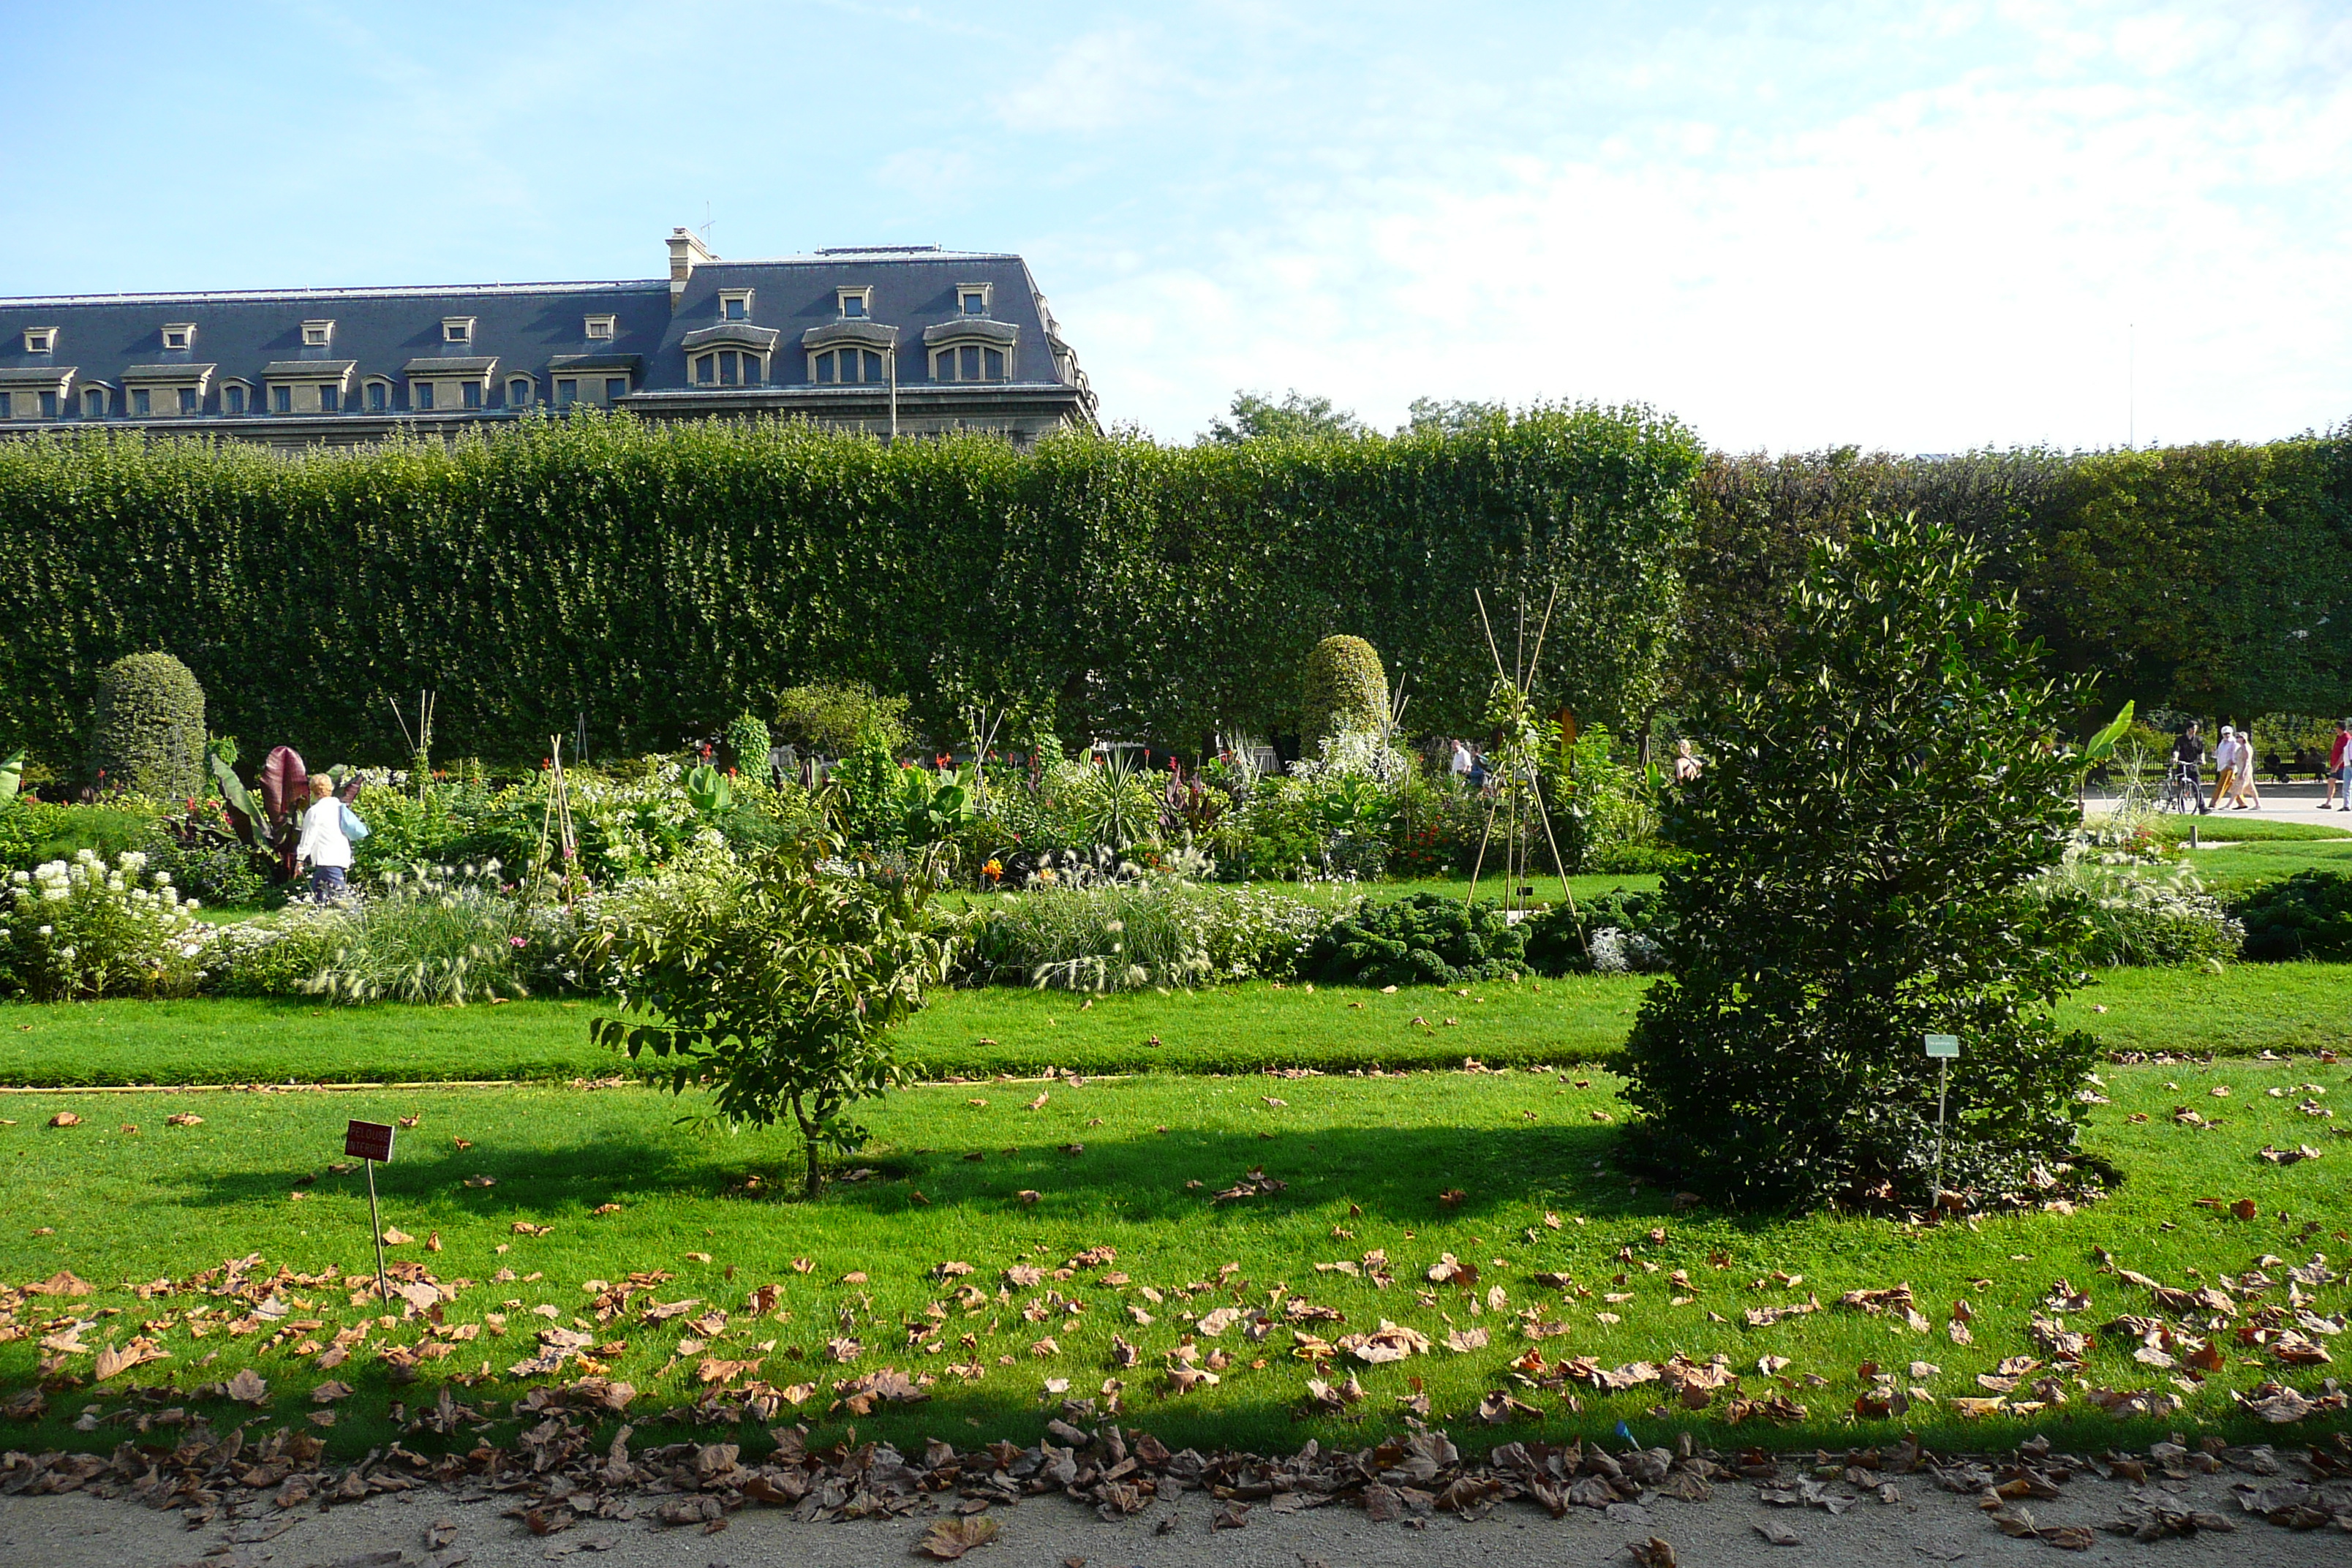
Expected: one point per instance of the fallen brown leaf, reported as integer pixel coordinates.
(949, 1539)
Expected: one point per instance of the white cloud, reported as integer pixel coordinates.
(1093, 83)
(1960, 263)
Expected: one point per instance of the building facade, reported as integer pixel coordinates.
(909, 340)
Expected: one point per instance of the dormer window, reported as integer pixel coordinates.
(856, 304)
(457, 329)
(180, 335)
(40, 340)
(601, 328)
(972, 299)
(735, 304)
(318, 334)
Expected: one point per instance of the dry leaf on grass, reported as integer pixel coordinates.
(65, 1118)
(64, 1282)
(183, 1119)
(248, 1388)
(396, 1237)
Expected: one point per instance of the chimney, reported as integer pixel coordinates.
(686, 249)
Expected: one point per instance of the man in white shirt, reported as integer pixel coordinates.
(1459, 766)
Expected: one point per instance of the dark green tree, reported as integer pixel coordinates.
(1297, 417)
(150, 732)
(1877, 796)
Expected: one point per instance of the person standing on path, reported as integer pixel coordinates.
(322, 843)
(2339, 767)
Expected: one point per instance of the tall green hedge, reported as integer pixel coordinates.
(2215, 577)
(662, 579)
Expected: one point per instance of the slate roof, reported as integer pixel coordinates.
(534, 327)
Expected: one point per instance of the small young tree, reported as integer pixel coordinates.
(1874, 802)
(774, 985)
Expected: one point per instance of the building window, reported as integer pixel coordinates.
(972, 299)
(837, 365)
(179, 334)
(615, 386)
(567, 393)
(40, 340)
(705, 369)
(48, 405)
(141, 404)
(457, 329)
(318, 334)
(967, 362)
(281, 399)
(856, 304)
(728, 368)
(379, 398)
(473, 393)
(233, 399)
(421, 394)
(7, 405)
(519, 392)
(187, 400)
(735, 305)
(599, 326)
(330, 400)
(93, 403)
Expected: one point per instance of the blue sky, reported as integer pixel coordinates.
(1922, 226)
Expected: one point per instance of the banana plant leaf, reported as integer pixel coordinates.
(251, 826)
(285, 784)
(11, 775)
(2103, 745)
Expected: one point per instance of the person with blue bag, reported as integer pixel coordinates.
(329, 826)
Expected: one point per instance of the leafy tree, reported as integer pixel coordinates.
(1452, 416)
(1297, 417)
(1879, 793)
(775, 987)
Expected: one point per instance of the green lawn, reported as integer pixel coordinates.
(2232, 866)
(974, 1174)
(2243, 1010)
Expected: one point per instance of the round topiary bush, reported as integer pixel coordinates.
(1421, 938)
(149, 736)
(1346, 690)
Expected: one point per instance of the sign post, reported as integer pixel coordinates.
(372, 1141)
(1945, 1049)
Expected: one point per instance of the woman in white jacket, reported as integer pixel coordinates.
(322, 843)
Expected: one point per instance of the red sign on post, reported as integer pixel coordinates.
(368, 1140)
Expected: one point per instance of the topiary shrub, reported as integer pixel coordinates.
(150, 735)
(2309, 915)
(1882, 794)
(1345, 689)
(748, 744)
(1421, 938)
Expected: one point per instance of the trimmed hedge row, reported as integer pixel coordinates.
(663, 580)
(2215, 578)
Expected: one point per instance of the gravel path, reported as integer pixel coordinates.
(1924, 1526)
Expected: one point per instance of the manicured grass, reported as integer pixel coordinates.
(237, 1040)
(2243, 1010)
(2230, 867)
(2244, 827)
(1131, 1165)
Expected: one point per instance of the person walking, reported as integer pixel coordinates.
(2339, 767)
(2189, 764)
(2233, 767)
(323, 844)
(1459, 763)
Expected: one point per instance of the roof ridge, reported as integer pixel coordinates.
(371, 291)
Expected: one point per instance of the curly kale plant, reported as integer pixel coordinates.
(1881, 795)
(1421, 938)
(2309, 915)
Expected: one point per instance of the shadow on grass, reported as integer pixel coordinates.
(1402, 1177)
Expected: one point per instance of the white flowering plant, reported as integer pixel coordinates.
(86, 928)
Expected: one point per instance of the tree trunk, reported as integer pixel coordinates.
(808, 1140)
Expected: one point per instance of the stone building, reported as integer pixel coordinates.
(910, 339)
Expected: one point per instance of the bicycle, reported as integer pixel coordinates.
(2183, 789)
